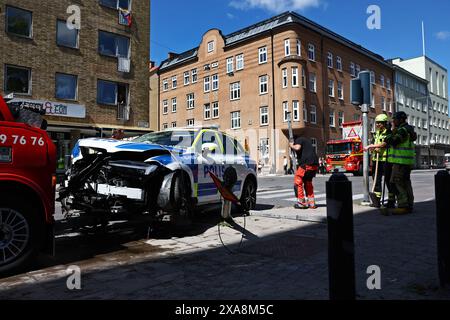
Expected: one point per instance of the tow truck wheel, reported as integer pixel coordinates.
(20, 234)
(248, 197)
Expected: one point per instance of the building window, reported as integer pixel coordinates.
(299, 48)
(115, 4)
(314, 144)
(263, 84)
(332, 119)
(262, 55)
(66, 37)
(215, 82)
(352, 69)
(312, 82)
(66, 86)
(194, 75)
(19, 22)
(287, 47)
(174, 82)
(383, 103)
(388, 84)
(190, 122)
(285, 111)
(207, 111)
(390, 105)
(330, 60)
(165, 126)
(165, 85)
(313, 114)
(165, 106)
(17, 80)
(264, 116)
(240, 61)
(235, 91)
(112, 93)
(341, 119)
(174, 124)
(372, 77)
(438, 88)
(305, 112)
(295, 76)
(210, 46)
(339, 63)
(174, 105)
(296, 110)
(311, 52)
(235, 120)
(331, 88)
(230, 67)
(285, 77)
(382, 81)
(190, 99)
(444, 91)
(372, 125)
(113, 45)
(187, 77)
(372, 105)
(206, 84)
(215, 110)
(340, 90)
(303, 78)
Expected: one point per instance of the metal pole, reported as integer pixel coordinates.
(365, 111)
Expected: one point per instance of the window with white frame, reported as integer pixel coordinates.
(235, 120)
(331, 88)
(295, 111)
(295, 76)
(390, 105)
(262, 55)
(215, 110)
(207, 111)
(190, 99)
(330, 60)
(332, 119)
(235, 91)
(299, 48)
(165, 85)
(174, 82)
(305, 112)
(211, 46)
(240, 61)
(339, 63)
(388, 84)
(314, 144)
(383, 103)
(284, 74)
(303, 78)
(206, 84)
(312, 82)
(311, 52)
(174, 124)
(285, 111)
(382, 81)
(19, 22)
(165, 126)
(230, 66)
(372, 77)
(190, 122)
(174, 104)
(341, 119)
(165, 106)
(313, 114)
(187, 77)
(215, 82)
(352, 69)
(340, 90)
(113, 45)
(287, 47)
(194, 75)
(263, 84)
(264, 116)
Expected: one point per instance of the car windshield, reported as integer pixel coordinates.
(340, 148)
(178, 138)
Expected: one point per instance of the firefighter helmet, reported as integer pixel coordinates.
(382, 118)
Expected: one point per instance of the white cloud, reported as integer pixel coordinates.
(275, 6)
(443, 35)
(230, 15)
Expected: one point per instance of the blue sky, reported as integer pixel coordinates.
(178, 25)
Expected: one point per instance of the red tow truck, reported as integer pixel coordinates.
(346, 155)
(27, 186)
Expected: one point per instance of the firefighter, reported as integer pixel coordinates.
(379, 150)
(401, 154)
(308, 164)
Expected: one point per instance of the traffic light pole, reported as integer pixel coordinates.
(365, 113)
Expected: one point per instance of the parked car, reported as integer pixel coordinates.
(158, 174)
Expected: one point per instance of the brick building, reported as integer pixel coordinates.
(247, 81)
(89, 79)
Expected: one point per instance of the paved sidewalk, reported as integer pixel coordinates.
(283, 256)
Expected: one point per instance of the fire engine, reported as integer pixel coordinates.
(346, 155)
(27, 186)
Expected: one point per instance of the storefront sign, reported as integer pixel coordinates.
(57, 109)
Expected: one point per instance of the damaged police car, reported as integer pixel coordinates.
(161, 174)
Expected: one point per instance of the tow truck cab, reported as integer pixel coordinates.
(27, 187)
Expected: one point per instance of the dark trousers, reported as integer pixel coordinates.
(401, 178)
(384, 169)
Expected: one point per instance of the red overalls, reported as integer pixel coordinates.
(304, 177)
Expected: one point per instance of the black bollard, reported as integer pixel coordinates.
(442, 187)
(341, 248)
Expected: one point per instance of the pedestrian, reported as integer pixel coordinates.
(378, 148)
(118, 134)
(321, 166)
(285, 165)
(308, 164)
(402, 154)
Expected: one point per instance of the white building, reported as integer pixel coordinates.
(438, 109)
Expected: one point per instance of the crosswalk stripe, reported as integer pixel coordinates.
(274, 196)
(276, 191)
(320, 196)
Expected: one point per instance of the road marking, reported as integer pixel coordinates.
(320, 196)
(276, 191)
(317, 196)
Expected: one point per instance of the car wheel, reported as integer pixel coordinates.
(248, 197)
(20, 234)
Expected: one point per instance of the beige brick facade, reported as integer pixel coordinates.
(251, 129)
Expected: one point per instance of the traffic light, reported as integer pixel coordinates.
(361, 89)
(356, 94)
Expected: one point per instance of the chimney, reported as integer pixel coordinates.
(172, 55)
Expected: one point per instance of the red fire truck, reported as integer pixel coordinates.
(346, 155)
(27, 186)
